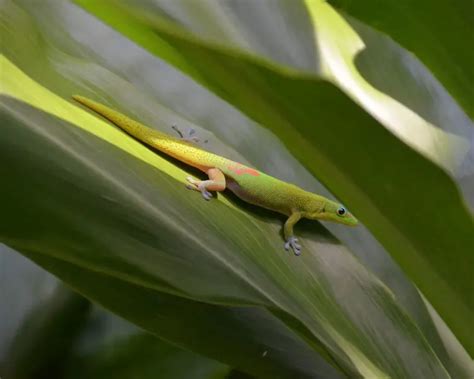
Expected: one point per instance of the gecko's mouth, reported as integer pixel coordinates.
(351, 221)
(347, 220)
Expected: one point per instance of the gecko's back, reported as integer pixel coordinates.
(266, 191)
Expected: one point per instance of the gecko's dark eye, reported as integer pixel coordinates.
(341, 211)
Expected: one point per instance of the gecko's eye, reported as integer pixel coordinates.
(341, 211)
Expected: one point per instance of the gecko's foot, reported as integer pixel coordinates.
(190, 136)
(293, 243)
(197, 185)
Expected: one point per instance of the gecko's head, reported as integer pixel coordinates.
(335, 212)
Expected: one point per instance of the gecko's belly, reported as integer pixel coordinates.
(258, 197)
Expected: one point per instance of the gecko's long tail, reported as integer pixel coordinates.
(181, 150)
(134, 128)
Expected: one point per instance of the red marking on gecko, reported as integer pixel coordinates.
(241, 170)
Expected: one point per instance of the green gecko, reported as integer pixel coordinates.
(252, 186)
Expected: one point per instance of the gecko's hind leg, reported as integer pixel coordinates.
(190, 136)
(291, 242)
(216, 182)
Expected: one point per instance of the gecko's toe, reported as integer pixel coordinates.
(190, 136)
(192, 180)
(177, 130)
(192, 183)
(293, 243)
(206, 195)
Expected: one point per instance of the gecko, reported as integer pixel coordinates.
(247, 183)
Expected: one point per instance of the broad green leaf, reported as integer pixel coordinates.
(140, 354)
(40, 320)
(439, 32)
(397, 73)
(278, 29)
(54, 333)
(94, 64)
(249, 338)
(138, 229)
(384, 197)
(113, 348)
(22, 287)
(381, 76)
(46, 337)
(334, 55)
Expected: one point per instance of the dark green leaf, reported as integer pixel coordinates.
(314, 118)
(440, 33)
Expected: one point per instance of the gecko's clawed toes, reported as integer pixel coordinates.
(189, 136)
(192, 180)
(176, 129)
(206, 195)
(198, 185)
(192, 183)
(293, 243)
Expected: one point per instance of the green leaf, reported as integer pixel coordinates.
(125, 357)
(443, 39)
(19, 296)
(386, 198)
(122, 217)
(248, 338)
(47, 336)
(113, 348)
(36, 309)
(82, 56)
(48, 330)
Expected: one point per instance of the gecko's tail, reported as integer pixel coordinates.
(134, 128)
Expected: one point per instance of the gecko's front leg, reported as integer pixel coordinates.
(290, 240)
(216, 182)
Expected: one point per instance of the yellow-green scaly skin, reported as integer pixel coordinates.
(250, 185)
